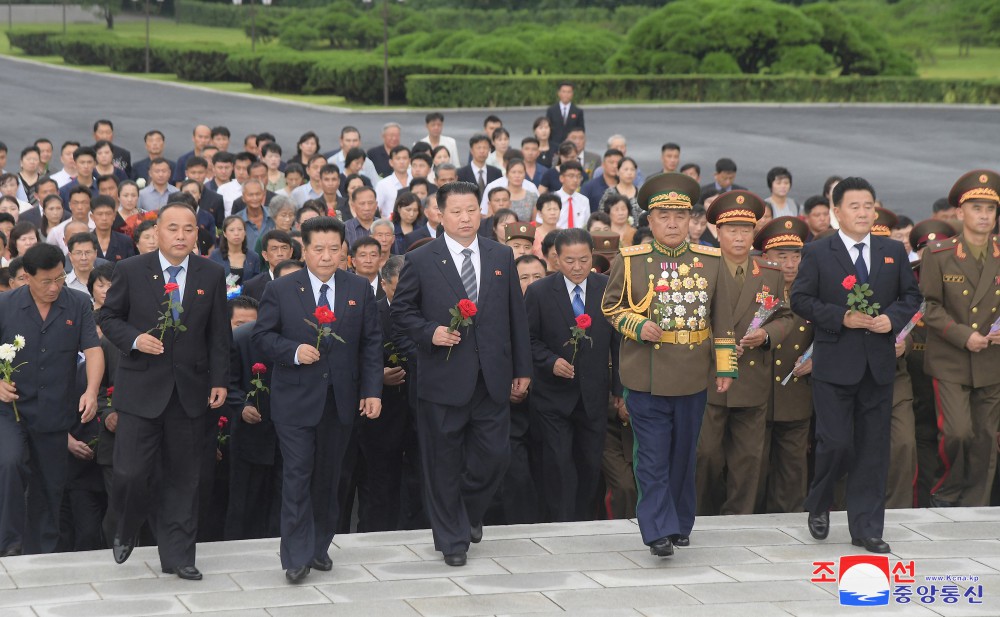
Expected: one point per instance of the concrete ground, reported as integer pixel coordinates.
(741, 566)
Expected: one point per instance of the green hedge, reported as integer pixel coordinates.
(517, 90)
(362, 81)
(32, 43)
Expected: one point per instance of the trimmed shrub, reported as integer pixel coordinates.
(285, 72)
(361, 80)
(32, 43)
(194, 63)
(515, 90)
(80, 50)
(245, 67)
(719, 63)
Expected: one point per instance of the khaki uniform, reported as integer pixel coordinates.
(730, 446)
(617, 468)
(902, 440)
(784, 465)
(679, 364)
(963, 296)
(925, 417)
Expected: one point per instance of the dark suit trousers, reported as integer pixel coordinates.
(572, 449)
(519, 495)
(381, 441)
(465, 450)
(312, 457)
(254, 499)
(36, 463)
(175, 441)
(852, 437)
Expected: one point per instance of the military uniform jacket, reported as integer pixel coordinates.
(700, 320)
(792, 401)
(764, 280)
(960, 300)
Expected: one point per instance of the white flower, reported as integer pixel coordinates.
(679, 311)
(7, 352)
(677, 297)
(701, 311)
(689, 297)
(703, 296)
(141, 183)
(18, 342)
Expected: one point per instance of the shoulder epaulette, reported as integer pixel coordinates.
(706, 250)
(638, 249)
(943, 245)
(770, 265)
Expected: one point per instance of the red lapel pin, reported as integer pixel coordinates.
(499, 273)
(890, 260)
(201, 292)
(351, 303)
(69, 322)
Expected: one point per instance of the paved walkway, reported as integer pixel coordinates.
(749, 566)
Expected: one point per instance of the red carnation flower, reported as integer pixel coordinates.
(583, 321)
(111, 390)
(324, 315)
(467, 308)
(223, 421)
(258, 369)
(661, 288)
(849, 282)
(171, 287)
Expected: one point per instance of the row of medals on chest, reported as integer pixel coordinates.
(681, 297)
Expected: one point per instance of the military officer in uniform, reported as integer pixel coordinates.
(785, 468)
(902, 432)
(924, 411)
(666, 301)
(730, 447)
(960, 279)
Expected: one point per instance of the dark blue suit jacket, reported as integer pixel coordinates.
(550, 317)
(352, 368)
(841, 354)
(46, 385)
(193, 361)
(252, 443)
(120, 247)
(497, 342)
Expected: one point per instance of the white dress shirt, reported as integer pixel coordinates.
(230, 192)
(456, 252)
(570, 286)
(56, 235)
(315, 283)
(581, 210)
(74, 282)
(853, 252)
(386, 191)
(367, 168)
(449, 143)
(62, 177)
(475, 173)
(564, 110)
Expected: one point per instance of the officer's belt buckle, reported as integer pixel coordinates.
(684, 337)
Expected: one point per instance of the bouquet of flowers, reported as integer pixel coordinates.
(7, 369)
(324, 317)
(461, 315)
(768, 304)
(857, 296)
(916, 319)
(578, 333)
(232, 289)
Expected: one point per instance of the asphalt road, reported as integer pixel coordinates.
(912, 155)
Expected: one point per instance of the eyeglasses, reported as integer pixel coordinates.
(59, 280)
(83, 253)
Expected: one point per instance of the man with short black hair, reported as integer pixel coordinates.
(314, 188)
(200, 137)
(594, 188)
(220, 136)
(350, 137)
(154, 142)
(276, 247)
(817, 212)
(942, 210)
(366, 255)
(576, 207)
(530, 150)
(159, 190)
(233, 190)
(477, 171)
(111, 245)
(68, 172)
(670, 157)
(222, 170)
(725, 175)
(85, 159)
(434, 122)
(314, 424)
(53, 325)
(79, 209)
(82, 252)
(693, 170)
(564, 115)
(389, 186)
(431, 227)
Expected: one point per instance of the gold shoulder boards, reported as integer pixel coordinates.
(638, 249)
(705, 250)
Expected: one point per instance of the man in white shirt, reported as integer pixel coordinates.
(435, 124)
(576, 207)
(79, 209)
(65, 175)
(389, 186)
(82, 253)
(233, 190)
(350, 137)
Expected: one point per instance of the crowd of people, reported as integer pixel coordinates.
(573, 392)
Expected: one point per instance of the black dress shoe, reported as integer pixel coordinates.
(941, 503)
(323, 563)
(188, 573)
(476, 533)
(122, 550)
(455, 559)
(297, 575)
(679, 540)
(661, 548)
(872, 545)
(13, 551)
(819, 525)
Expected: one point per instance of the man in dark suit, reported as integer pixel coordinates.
(164, 388)
(570, 397)
(564, 115)
(46, 187)
(464, 417)
(52, 323)
(432, 225)
(314, 423)
(477, 171)
(277, 247)
(725, 176)
(854, 360)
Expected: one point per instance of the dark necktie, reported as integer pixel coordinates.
(859, 264)
(578, 308)
(482, 182)
(469, 276)
(740, 276)
(323, 300)
(175, 295)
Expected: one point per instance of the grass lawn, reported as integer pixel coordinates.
(982, 63)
